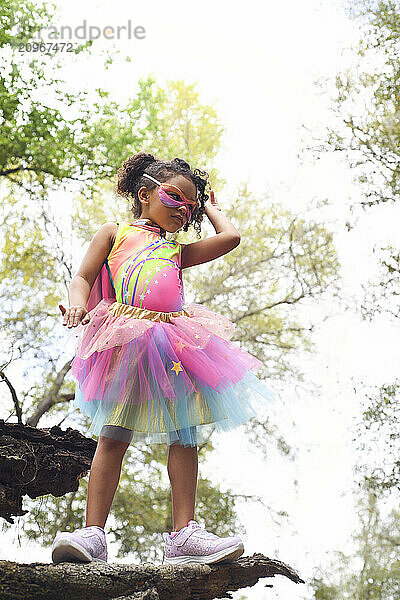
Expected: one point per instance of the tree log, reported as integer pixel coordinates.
(40, 461)
(112, 581)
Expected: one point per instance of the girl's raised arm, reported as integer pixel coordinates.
(226, 239)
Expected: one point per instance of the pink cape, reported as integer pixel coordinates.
(101, 288)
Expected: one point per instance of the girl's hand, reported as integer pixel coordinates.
(74, 314)
(212, 202)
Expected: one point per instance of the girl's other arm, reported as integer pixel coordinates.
(226, 239)
(81, 284)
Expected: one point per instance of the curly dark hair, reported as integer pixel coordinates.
(130, 179)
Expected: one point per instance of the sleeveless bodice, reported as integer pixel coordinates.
(145, 268)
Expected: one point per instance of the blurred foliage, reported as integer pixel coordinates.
(378, 439)
(372, 570)
(366, 103)
(367, 133)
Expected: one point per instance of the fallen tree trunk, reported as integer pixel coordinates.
(100, 581)
(36, 462)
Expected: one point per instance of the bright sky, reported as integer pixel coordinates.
(258, 66)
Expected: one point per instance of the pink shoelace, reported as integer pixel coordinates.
(199, 531)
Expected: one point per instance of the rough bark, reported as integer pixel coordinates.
(36, 462)
(99, 581)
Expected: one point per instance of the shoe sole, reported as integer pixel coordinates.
(69, 551)
(231, 553)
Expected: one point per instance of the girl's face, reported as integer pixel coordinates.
(177, 187)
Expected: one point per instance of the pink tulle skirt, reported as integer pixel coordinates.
(163, 377)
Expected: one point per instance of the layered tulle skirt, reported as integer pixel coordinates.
(163, 377)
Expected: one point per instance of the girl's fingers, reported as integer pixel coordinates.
(213, 201)
(65, 314)
(73, 315)
(79, 314)
(85, 319)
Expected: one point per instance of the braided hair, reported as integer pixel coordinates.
(130, 179)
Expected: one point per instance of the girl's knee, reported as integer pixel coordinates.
(114, 437)
(185, 436)
(111, 444)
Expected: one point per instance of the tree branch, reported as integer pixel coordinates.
(18, 410)
(52, 396)
(137, 582)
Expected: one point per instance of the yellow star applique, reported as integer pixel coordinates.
(177, 367)
(180, 345)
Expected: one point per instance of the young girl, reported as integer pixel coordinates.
(149, 367)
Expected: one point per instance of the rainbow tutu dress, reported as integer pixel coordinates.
(150, 367)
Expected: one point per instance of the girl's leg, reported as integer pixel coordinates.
(103, 479)
(182, 469)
